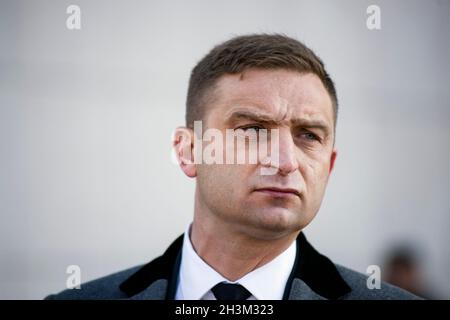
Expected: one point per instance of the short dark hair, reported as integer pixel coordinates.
(262, 51)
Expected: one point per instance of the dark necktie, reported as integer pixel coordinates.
(230, 291)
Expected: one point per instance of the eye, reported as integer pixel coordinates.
(255, 127)
(310, 136)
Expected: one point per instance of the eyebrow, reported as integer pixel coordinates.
(268, 119)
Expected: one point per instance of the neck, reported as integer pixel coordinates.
(229, 250)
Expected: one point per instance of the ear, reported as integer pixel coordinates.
(332, 159)
(183, 146)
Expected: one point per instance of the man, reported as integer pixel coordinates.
(246, 239)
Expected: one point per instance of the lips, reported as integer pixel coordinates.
(279, 192)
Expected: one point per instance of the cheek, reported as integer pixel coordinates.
(225, 188)
(227, 180)
(213, 185)
(315, 173)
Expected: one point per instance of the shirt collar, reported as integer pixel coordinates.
(196, 277)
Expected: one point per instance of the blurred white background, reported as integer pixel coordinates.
(86, 118)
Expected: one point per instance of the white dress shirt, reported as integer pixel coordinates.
(196, 277)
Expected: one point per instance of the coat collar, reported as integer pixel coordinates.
(313, 276)
(315, 271)
(165, 267)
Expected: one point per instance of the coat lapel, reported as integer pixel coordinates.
(301, 291)
(313, 277)
(156, 280)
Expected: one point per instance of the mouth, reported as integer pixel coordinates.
(279, 192)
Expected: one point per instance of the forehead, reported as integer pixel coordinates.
(283, 94)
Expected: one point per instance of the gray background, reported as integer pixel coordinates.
(86, 119)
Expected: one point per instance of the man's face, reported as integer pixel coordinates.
(299, 106)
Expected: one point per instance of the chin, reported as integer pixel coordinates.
(278, 220)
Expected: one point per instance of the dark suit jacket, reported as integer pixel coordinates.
(313, 277)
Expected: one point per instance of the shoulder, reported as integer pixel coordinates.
(359, 290)
(135, 282)
(102, 288)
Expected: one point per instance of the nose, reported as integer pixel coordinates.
(287, 161)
